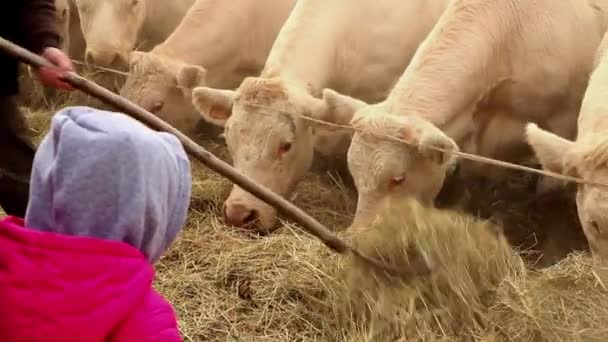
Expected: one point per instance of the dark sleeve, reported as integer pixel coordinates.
(37, 26)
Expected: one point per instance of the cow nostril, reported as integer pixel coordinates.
(251, 217)
(239, 215)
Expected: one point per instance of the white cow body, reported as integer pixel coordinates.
(358, 47)
(488, 66)
(586, 157)
(113, 28)
(206, 49)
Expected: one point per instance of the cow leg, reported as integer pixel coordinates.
(17, 153)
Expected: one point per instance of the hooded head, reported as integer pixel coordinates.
(105, 175)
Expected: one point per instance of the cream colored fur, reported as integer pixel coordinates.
(586, 157)
(217, 44)
(358, 47)
(486, 68)
(113, 28)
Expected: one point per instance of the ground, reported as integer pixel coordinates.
(230, 285)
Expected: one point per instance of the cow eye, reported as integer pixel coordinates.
(134, 3)
(284, 148)
(396, 181)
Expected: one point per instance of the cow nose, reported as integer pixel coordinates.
(102, 59)
(239, 215)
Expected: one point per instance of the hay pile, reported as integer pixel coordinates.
(470, 260)
(228, 285)
(480, 289)
(566, 302)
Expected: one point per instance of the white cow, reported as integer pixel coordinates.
(113, 28)
(68, 23)
(490, 65)
(204, 50)
(586, 157)
(358, 47)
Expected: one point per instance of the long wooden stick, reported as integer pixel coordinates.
(211, 161)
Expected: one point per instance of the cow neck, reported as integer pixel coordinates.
(163, 19)
(172, 51)
(454, 67)
(305, 47)
(593, 116)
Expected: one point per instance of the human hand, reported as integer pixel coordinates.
(53, 77)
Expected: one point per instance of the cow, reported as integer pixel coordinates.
(73, 44)
(358, 47)
(113, 28)
(486, 68)
(204, 50)
(586, 157)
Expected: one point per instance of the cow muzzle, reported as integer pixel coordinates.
(105, 58)
(250, 215)
(239, 215)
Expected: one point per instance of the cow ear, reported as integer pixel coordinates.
(438, 147)
(553, 152)
(215, 105)
(190, 77)
(432, 143)
(337, 109)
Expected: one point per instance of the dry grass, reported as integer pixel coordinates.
(566, 302)
(228, 285)
(480, 290)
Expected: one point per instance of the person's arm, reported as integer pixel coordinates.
(38, 30)
(37, 25)
(155, 321)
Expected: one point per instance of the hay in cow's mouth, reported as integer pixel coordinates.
(287, 286)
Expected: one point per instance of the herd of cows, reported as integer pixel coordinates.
(497, 78)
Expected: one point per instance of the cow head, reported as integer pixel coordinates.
(163, 86)
(587, 158)
(111, 29)
(384, 167)
(268, 136)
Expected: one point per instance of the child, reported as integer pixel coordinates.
(107, 198)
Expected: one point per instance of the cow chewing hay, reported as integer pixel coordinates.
(470, 260)
(227, 285)
(480, 290)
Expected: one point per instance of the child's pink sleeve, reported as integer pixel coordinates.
(155, 321)
(162, 322)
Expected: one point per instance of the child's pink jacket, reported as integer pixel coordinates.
(57, 288)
